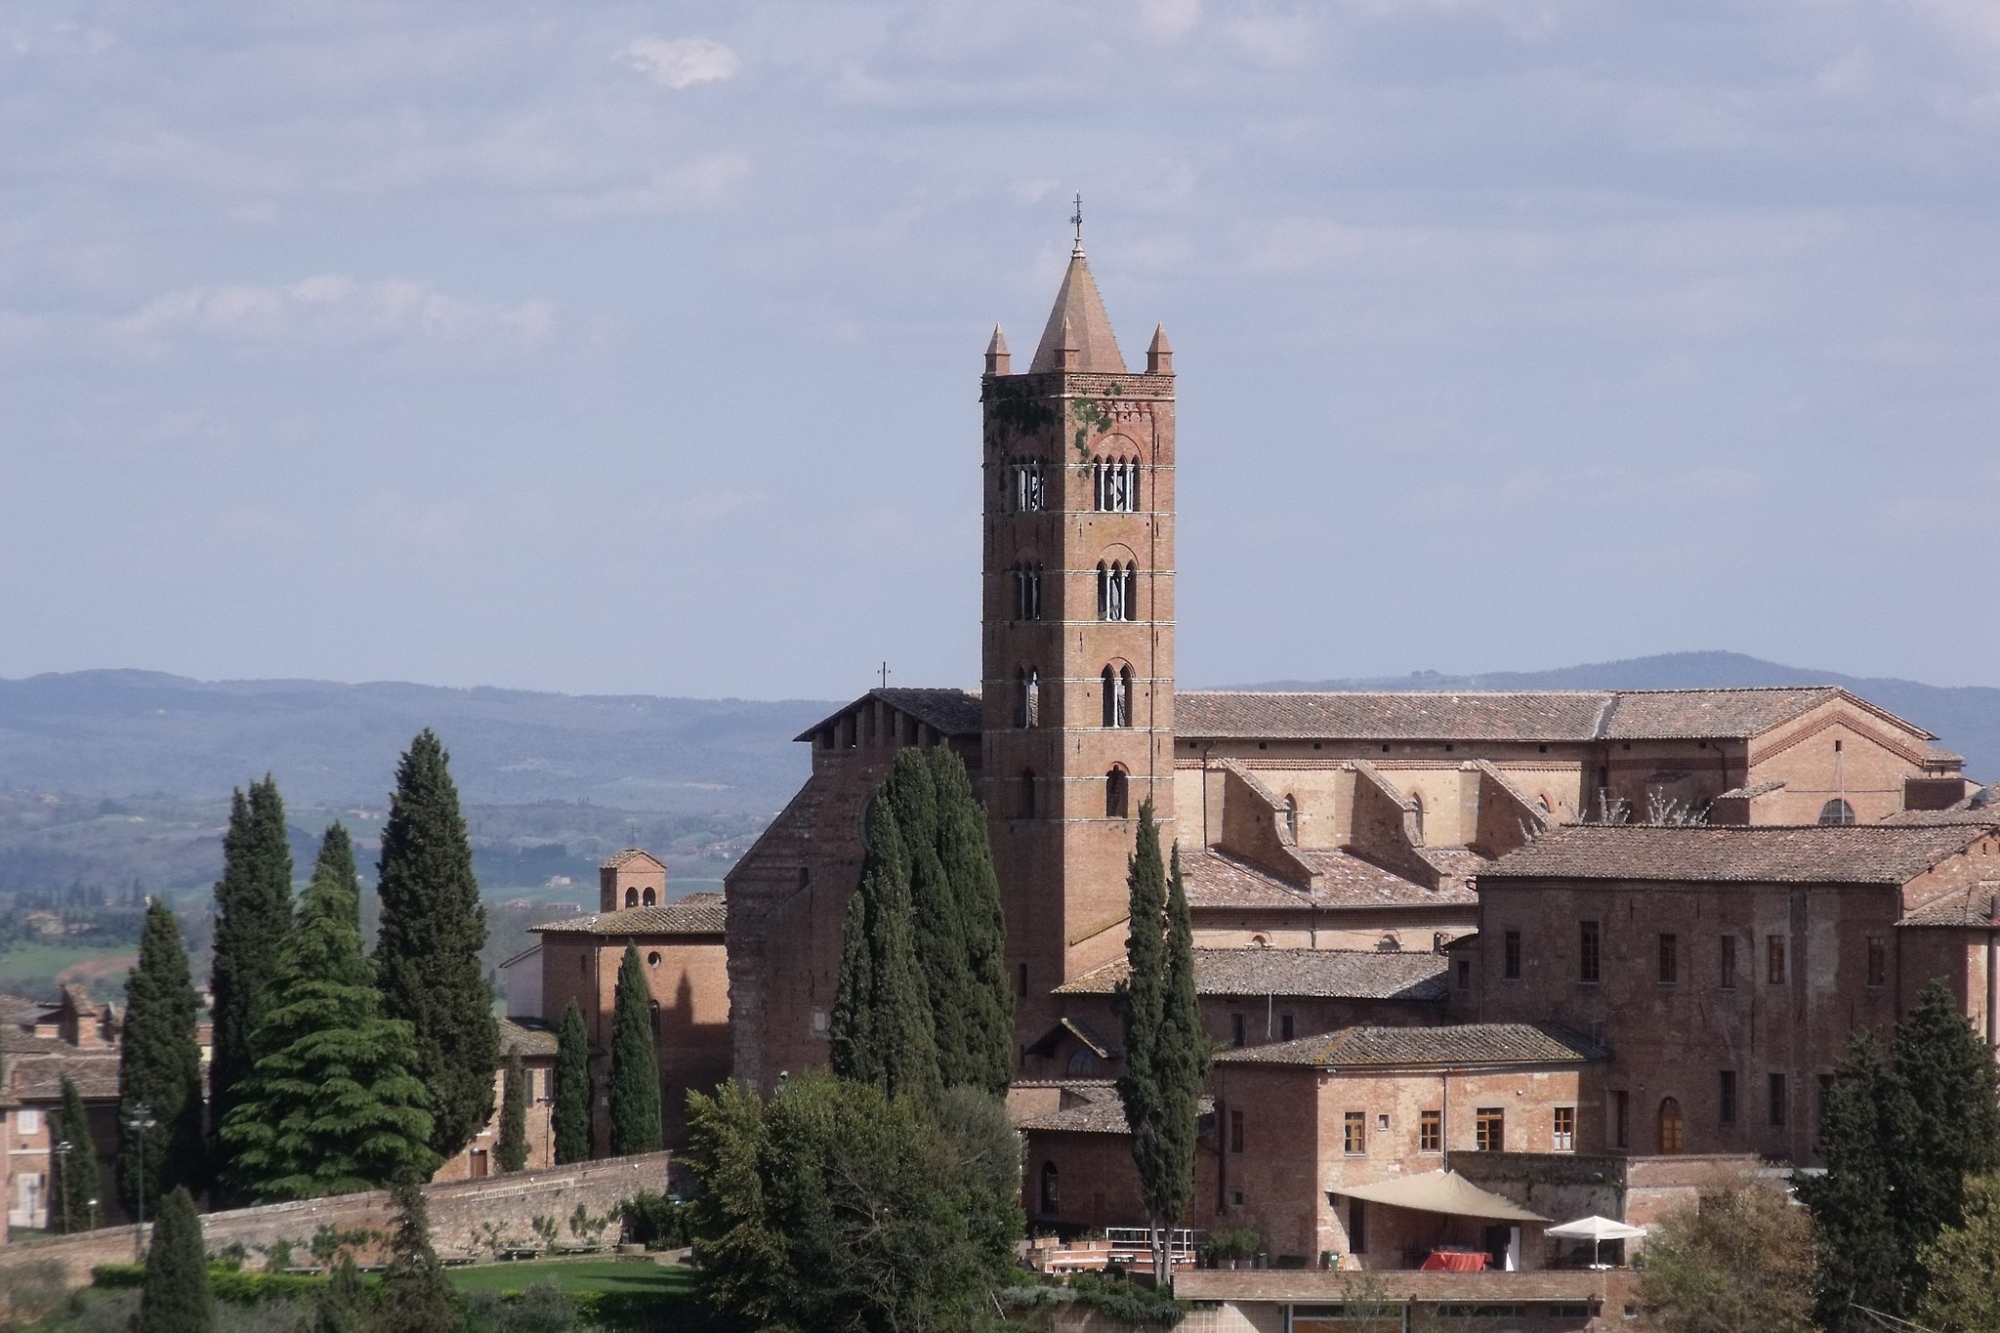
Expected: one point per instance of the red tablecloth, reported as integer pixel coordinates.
(1451, 1261)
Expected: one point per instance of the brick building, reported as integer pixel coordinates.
(681, 945)
(40, 1045)
(480, 1158)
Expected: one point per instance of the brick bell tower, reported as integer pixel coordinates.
(1077, 646)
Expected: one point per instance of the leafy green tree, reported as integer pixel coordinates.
(881, 1029)
(570, 1111)
(159, 1069)
(331, 1107)
(415, 1297)
(512, 1149)
(835, 1206)
(986, 1059)
(1739, 1262)
(253, 917)
(1962, 1294)
(634, 1076)
(175, 1295)
(427, 954)
(77, 1171)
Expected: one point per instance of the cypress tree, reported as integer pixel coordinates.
(175, 1295)
(416, 1297)
(332, 1106)
(512, 1150)
(881, 1030)
(1181, 1066)
(571, 1109)
(433, 928)
(635, 1066)
(937, 927)
(1854, 1230)
(987, 1025)
(253, 916)
(77, 1175)
(1144, 1086)
(159, 1069)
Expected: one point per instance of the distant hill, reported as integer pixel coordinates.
(1965, 718)
(142, 733)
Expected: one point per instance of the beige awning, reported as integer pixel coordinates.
(1440, 1192)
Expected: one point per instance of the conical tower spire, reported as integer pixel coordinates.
(1088, 328)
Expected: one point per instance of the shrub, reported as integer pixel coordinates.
(1235, 1243)
(655, 1221)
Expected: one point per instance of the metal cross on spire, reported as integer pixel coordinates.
(1076, 219)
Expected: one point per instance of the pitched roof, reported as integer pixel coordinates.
(1215, 880)
(1102, 1116)
(1317, 973)
(1757, 854)
(36, 1066)
(696, 914)
(1458, 1044)
(629, 855)
(532, 1040)
(1527, 715)
(1976, 906)
(1079, 315)
(949, 712)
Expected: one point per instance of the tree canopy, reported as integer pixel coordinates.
(174, 1296)
(1739, 1262)
(253, 917)
(571, 1109)
(634, 1077)
(159, 1069)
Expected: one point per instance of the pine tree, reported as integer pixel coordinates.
(1180, 1063)
(512, 1150)
(77, 1175)
(1144, 1088)
(159, 1070)
(987, 1024)
(881, 1031)
(433, 928)
(634, 1076)
(416, 1297)
(1942, 1124)
(1854, 1229)
(571, 1109)
(253, 916)
(332, 1106)
(175, 1296)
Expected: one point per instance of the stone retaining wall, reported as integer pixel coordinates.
(469, 1219)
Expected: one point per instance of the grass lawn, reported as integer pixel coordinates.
(30, 967)
(642, 1297)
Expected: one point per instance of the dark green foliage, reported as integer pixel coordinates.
(331, 1107)
(833, 1206)
(983, 1154)
(571, 1108)
(253, 917)
(1180, 1061)
(987, 1024)
(1962, 1266)
(346, 1304)
(655, 1221)
(159, 1068)
(512, 1150)
(634, 1076)
(77, 1178)
(427, 954)
(415, 1296)
(176, 1297)
(937, 934)
(1740, 1261)
(881, 1030)
(1898, 1145)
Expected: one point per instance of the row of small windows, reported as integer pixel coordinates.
(1117, 794)
(1590, 957)
(1489, 1130)
(1670, 1121)
(1117, 590)
(1114, 485)
(1024, 486)
(1119, 685)
(1025, 579)
(634, 898)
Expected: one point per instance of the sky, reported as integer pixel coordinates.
(636, 348)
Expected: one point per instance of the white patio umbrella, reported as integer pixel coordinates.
(1596, 1230)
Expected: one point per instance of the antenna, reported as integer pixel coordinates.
(1076, 220)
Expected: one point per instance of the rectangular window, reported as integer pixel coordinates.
(1489, 1125)
(1357, 1226)
(1777, 1097)
(1878, 961)
(1589, 948)
(30, 1121)
(1430, 1131)
(1236, 1131)
(1354, 1133)
(1621, 1119)
(1238, 1030)
(1511, 956)
(1564, 1139)
(1287, 1029)
(1465, 974)
(1670, 959)
(1774, 959)
(1725, 1097)
(1728, 981)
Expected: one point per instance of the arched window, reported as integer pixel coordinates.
(1117, 793)
(1027, 580)
(1051, 1200)
(1390, 942)
(631, 897)
(1292, 816)
(646, 899)
(1125, 709)
(1671, 1125)
(1026, 493)
(1115, 485)
(1110, 680)
(1027, 697)
(1024, 794)
(653, 1012)
(1131, 598)
(1417, 816)
(1836, 811)
(1082, 1063)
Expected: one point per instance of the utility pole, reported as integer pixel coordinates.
(140, 1124)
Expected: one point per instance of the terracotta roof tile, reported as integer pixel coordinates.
(1458, 1044)
(626, 857)
(1215, 880)
(948, 712)
(1079, 314)
(696, 914)
(1759, 854)
(1312, 973)
(1106, 1116)
(1973, 907)
(36, 1072)
(532, 1041)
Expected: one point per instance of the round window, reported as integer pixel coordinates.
(653, 959)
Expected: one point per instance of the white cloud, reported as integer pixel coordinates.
(682, 62)
(334, 308)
